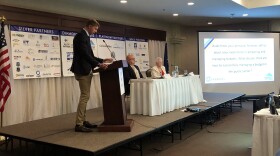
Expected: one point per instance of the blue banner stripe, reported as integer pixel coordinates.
(136, 39)
(67, 33)
(111, 37)
(34, 30)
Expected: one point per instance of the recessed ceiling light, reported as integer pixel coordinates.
(175, 14)
(123, 1)
(190, 3)
(244, 15)
(209, 23)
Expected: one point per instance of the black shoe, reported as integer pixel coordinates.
(89, 125)
(82, 128)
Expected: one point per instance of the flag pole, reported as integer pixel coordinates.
(1, 119)
(2, 19)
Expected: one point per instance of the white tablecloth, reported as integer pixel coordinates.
(157, 96)
(266, 133)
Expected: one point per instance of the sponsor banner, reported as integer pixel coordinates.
(66, 41)
(139, 48)
(114, 46)
(34, 52)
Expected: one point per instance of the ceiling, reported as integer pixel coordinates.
(217, 11)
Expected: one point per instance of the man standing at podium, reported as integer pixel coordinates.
(84, 62)
(132, 71)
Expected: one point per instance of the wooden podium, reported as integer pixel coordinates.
(112, 89)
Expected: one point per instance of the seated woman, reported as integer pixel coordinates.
(158, 71)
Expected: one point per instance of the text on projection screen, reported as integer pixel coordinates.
(231, 60)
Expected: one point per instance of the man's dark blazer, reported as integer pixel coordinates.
(129, 74)
(83, 60)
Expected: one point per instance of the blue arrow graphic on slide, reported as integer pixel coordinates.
(207, 42)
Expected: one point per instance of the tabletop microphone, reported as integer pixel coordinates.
(149, 66)
(113, 55)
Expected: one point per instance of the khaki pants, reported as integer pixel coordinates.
(84, 83)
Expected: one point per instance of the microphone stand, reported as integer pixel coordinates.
(112, 53)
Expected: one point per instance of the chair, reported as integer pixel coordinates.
(149, 73)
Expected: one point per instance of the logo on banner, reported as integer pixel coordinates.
(30, 51)
(55, 66)
(54, 58)
(18, 51)
(38, 59)
(19, 75)
(66, 43)
(15, 40)
(29, 76)
(25, 42)
(17, 57)
(18, 35)
(46, 45)
(38, 73)
(26, 67)
(31, 36)
(27, 58)
(15, 44)
(43, 37)
(55, 38)
(69, 55)
(47, 74)
(43, 51)
(116, 46)
(56, 74)
(38, 66)
(18, 66)
(38, 44)
(47, 65)
(54, 52)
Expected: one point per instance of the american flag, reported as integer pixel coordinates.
(5, 86)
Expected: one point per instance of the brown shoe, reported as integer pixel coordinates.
(89, 125)
(82, 128)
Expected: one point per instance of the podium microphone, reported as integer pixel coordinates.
(113, 55)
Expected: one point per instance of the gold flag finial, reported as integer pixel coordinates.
(2, 18)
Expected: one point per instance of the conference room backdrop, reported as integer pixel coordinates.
(33, 99)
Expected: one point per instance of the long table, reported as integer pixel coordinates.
(266, 133)
(158, 96)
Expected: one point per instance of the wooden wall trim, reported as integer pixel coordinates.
(32, 18)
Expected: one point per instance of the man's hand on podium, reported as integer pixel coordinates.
(103, 66)
(108, 60)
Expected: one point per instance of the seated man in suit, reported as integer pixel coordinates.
(158, 70)
(132, 71)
